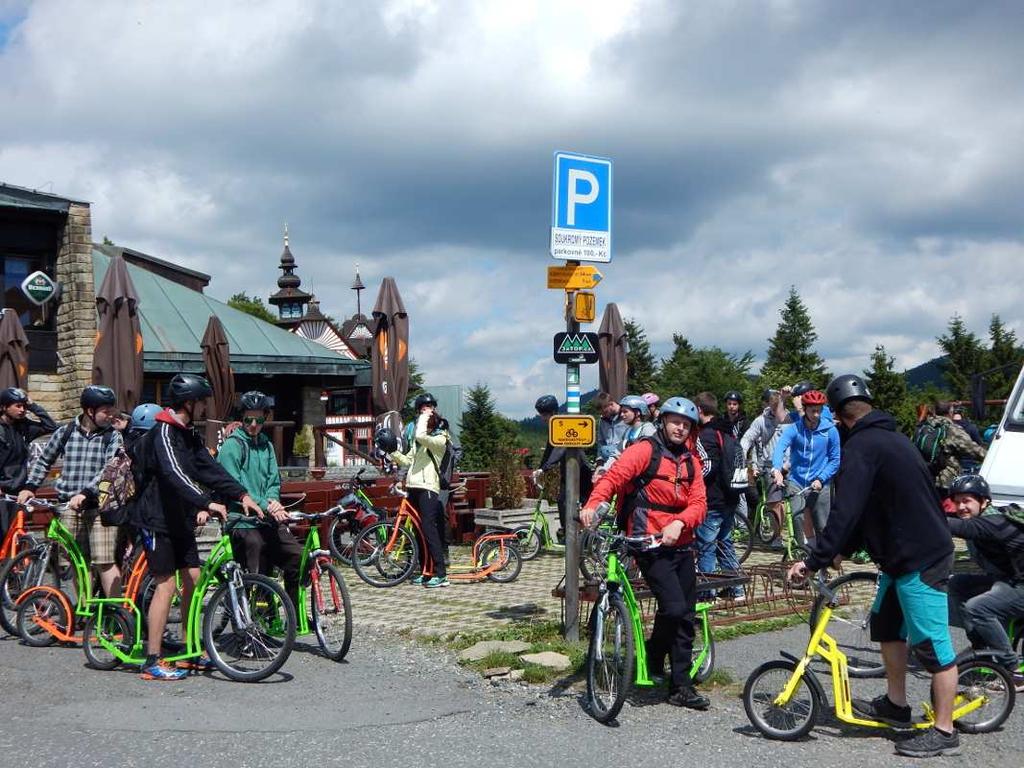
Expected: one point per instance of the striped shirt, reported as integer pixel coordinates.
(85, 456)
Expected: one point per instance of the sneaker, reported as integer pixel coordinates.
(161, 670)
(733, 593)
(687, 696)
(418, 580)
(930, 743)
(656, 668)
(883, 710)
(199, 664)
(435, 582)
(1018, 682)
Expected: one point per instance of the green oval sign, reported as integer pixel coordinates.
(39, 288)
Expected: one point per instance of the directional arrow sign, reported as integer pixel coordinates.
(573, 278)
(572, 431)
(575, 348)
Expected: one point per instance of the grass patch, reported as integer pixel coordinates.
(756, 627)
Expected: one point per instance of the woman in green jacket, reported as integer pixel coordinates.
(424, 484)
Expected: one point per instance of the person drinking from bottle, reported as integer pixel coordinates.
(660, 482)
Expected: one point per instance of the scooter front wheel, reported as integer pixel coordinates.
(784, 722)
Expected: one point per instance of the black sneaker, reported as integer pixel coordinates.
(930, 743)
(883, 710)
(688, 697)
(656, 669)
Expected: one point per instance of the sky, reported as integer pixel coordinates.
(868, 153)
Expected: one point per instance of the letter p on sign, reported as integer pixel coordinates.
(576, 176)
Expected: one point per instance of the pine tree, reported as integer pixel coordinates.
(689, 371)
(483, 429)
(640, 360)
(791, 350)
(1003, 354)
(965, 356)
(889, 389)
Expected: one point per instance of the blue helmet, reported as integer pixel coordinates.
(635, 403)
(681, 406)
(144, 416)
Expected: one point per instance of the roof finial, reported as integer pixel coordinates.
(286, 234)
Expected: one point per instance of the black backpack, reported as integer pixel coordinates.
(449, 464)
(644, 479)
(929, 439)
(729, 459)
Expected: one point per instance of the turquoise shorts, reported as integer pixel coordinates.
(915, 607)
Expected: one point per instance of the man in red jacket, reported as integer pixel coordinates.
(669, 501)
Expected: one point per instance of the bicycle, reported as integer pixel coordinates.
(784, 699)
(617, 652)
(765, 529)
(386, 553)
(353, 513)
(247, 626)
(18, 536)
(15, 570)
(324, 588)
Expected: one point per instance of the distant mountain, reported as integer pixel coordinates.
(927, 374)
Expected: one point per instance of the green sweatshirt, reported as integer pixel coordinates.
(253, 464)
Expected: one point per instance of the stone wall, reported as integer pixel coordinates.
(76, 317)
(45, 389)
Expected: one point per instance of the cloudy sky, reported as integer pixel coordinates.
(869, 153)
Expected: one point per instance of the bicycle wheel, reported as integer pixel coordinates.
(393, 557)
(768, 528)
(611, 658)
(742, 537)
(786, 722)
(851, 620)
(340, 538)
(510, 567)
(981, 679)
(116, 628)
(529, 541)
(16, 575)
(702, 672)
(331, 609)
(42, 605)
(258, 633)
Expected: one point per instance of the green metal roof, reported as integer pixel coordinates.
(174, 318)
(20, 197)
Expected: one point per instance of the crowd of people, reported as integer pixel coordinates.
(856, 485)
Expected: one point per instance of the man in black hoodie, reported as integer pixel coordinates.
(714, 535)
(16, 432)
(887, 503)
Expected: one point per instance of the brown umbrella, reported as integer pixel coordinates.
(390, 358)
(117, 356)
(13, 351)
(217, 359)
(612, 348)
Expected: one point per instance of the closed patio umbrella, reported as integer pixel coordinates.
(217, 359)
(13, 351)
(612, 348)
(117, 356)
(390, 356)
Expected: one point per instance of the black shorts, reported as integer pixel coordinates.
(170, 552)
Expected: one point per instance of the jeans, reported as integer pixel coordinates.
(983, 606)
(819, 513)
(670, 574)
(714, 541)
(259, 549)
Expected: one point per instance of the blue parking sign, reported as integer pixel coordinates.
(581, 210)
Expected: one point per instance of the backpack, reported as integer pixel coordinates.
(730, 459)
(644, 479)
(116, 487)
(449, 464)
(929, 438)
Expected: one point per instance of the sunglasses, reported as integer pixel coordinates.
(253, 419)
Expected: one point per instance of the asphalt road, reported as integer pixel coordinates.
(396, 703)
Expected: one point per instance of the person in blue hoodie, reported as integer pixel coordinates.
(813, 444)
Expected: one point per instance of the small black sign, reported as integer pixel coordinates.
(575, 348)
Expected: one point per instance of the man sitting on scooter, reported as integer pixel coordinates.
(985, 603)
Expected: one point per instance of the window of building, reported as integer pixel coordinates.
(16, 267)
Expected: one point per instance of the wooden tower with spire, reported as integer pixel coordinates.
(290, 299)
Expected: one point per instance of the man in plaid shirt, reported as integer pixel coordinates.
(87, 444)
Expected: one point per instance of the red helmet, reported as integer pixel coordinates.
(813, 397)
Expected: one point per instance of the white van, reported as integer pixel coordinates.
(1003, 467)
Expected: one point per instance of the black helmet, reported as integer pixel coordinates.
(733, 394)
(188, 386)
(546, 404)
(385, 440)
(12, 395)
(424, 398)
(976, 485)
(96, 396)
(767, 393)
(849, 386)
(802, 386)
(256, 401)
